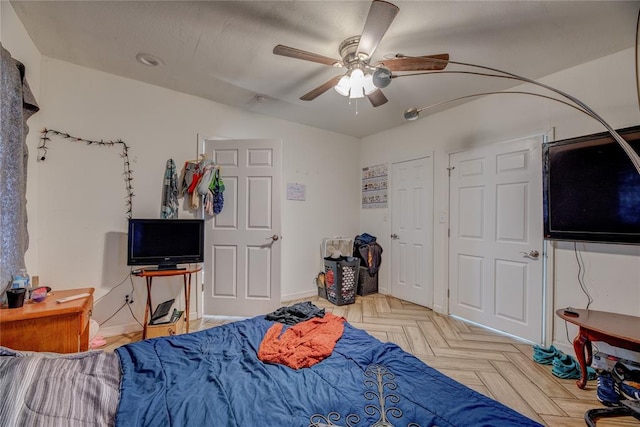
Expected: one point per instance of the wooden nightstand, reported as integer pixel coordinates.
(48, 325)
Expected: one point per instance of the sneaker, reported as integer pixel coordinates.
(607, 391)
(566, 367)
(629, 390)
(545, 356)
(622, 373)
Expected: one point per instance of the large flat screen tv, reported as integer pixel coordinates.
(591, 189)
(165, 243)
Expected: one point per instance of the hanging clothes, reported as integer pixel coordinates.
(169, 208)
(207, 168)
(214, 199)
(369, 251)
(201, 180)
(18, 105)
(217, 189)
(189, 178)
(372, 256)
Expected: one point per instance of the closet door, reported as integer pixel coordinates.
(495, 261)
(412, 231)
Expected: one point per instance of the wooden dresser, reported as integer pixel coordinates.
(48, 325)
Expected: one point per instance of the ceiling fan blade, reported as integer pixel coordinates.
(292, 52)
(421, 63)
(314, 93)
(381, 14)
(377, 98)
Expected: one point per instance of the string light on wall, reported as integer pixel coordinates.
(128, 173)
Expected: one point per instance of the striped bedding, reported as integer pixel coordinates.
(46, 389)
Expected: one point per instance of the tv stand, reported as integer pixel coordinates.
(149, 274)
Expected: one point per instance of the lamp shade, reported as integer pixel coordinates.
(343, 86)
(357, 84)
(369, 87)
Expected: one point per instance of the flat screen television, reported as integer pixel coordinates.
(165, 243)
(591, 189)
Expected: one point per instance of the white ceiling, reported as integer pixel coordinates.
(222, 50)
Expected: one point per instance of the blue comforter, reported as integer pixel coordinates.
(214, 378)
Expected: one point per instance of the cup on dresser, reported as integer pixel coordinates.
(15, 297)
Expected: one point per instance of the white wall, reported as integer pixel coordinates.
(80, 194)
(608, 86)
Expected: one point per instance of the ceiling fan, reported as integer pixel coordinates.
(362, 78)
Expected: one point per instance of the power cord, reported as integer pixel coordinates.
(126, 303)
(128, 276)
(134, 316)
(112, 316)
(581, 273)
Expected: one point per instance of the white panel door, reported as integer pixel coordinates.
(412, 231)
(495, 262)
(242, 254)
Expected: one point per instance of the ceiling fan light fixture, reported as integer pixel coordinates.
(356, 81)
(343, 86)
(356, 93)
(368, 85)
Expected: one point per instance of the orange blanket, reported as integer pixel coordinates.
(302, 345)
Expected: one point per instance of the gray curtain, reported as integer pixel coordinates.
(18, 104)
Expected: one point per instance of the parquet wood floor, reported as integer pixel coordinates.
(492, 364)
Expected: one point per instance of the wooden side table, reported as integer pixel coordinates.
(48, 325)
(619, 330)
(150, 274)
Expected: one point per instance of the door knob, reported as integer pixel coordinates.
(533, 254)
(394, 236)
(274, 237)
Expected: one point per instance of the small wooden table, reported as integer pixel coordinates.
(150, 274)
(48, 325)
(619, 330)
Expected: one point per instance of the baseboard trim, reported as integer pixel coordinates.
(298, 295)
(111, 331)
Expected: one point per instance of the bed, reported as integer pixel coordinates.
(214, 377)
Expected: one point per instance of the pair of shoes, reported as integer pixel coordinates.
(545, 356)
(607, 391)
(627, 381)
(566, 367)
